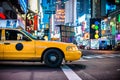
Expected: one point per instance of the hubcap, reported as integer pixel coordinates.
(53, 58)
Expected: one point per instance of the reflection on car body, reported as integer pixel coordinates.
(18, 44)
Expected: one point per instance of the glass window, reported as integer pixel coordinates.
(15, 35)
(10, 35)
(30, 35)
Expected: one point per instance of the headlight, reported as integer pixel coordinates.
(72, 48)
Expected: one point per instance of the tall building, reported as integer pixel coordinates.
(96, 9)
(70, 12)
(75, 9)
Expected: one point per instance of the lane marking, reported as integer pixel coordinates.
(87, 76)
(70, 74)
(118, 69)
(81, 59)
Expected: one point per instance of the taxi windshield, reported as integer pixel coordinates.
(30, 35)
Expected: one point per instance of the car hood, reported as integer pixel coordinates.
(53, 44)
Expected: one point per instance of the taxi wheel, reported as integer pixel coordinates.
(53, 58)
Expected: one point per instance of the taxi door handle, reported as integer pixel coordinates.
(7, 43)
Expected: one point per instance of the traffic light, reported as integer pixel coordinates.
(95, 28)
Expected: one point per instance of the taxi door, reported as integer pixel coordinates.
(1, 45)
(18, 46)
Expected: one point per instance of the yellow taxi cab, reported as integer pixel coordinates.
(16, 44)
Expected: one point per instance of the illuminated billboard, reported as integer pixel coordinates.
(11, 24)
(60, 14)
(118, 37)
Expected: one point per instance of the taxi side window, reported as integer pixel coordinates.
(10, 35)
(14, 35)
(0, 34)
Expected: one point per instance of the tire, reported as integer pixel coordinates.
(53, 58)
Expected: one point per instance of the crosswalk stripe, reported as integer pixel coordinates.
(70, 74)
(101, 56)
(81, 59)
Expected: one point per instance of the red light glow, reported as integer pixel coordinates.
(2, 16)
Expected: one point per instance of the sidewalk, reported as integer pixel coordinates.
(93, 52)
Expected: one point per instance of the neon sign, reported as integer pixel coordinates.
(2, 16)
(23, 4)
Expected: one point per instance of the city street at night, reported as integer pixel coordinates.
(94, 66)
(59, 39)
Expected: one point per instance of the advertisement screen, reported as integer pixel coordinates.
(11, 24)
